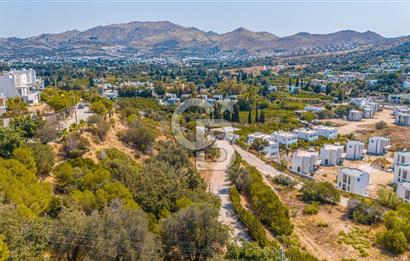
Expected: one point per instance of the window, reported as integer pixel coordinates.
(407, 194)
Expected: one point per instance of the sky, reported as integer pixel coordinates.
(24, 18)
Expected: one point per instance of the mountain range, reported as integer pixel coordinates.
(166, 39)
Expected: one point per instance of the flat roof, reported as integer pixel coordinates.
(405, 153)
(305, 153)
(332, 147)
(353, 172)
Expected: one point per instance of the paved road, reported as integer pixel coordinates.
(219, 184)
(266, 169)
(253, 160)
(82, 114)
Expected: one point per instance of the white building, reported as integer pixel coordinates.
(398, 98)
(401, 174)
(258, 135)
(403, 191)
(355, 115)
(378, 145)
(401, 158)
(285, 138)
(354, 150)
(368, 112)
(25, 83)
(305, 162)
(3, 107)
(329, 133)
(307, 135)
(331, 155)
(353, 180)
(402, 118)
(272, 149)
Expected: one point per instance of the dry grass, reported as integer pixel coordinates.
(320, 233)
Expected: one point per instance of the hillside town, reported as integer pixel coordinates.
(240, 131)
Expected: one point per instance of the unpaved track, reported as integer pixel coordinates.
(219, 184)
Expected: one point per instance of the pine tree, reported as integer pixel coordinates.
(262, 117)
(256, 114)
(250, 116)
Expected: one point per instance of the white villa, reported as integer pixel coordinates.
(23, 83)
(353, 181)
(401, 158)
(307, 135)
(378, 145)
(354, 150)
(285, 138)
(329, 133)
(402, 117)
(259, 135)
(355, 115)
(401, 174)
(272, 149)
(403, 191)
(331, 155)
(305, 162)
(368, 112)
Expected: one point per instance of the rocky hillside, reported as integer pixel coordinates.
(168, 39)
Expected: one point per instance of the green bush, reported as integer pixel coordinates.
(388, 198)
(268, 207)
(251, 252)
(284, 181)
(311, 209)
(363, 212)
(323, 192)
(393, 240)
(252, 223)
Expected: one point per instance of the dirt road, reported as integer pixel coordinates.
(347, 127)
(219, 184)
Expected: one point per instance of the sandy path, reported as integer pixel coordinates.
(219, 184)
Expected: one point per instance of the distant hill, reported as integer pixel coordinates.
(149, 39)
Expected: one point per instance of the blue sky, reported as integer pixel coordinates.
(22, 18)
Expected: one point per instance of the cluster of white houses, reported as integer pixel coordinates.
(289, 138)
(307, 162)
(368, 109)
(19, 83)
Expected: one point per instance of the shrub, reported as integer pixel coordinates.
(100, 126)
(258, 144)
(284, 181)
(381, 125)
(251, 252)
(311, 209)
(75, 146)
(363, 212)
(252, 223)
(44, 157)
(267, 205)
(388, 198)
(323, 192)
(392, 240)
(140, 139)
